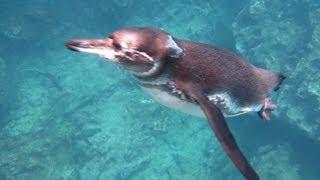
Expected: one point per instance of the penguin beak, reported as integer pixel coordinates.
(100, 47)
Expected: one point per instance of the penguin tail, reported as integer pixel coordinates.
(272, 80)
(279, 79)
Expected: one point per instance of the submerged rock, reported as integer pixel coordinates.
(208, 22)
(270, 36)
(284, 36)
(276, 162)
(2, 80)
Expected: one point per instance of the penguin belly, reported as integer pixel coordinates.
(169, 100)
(224, 101)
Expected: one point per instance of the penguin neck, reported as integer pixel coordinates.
(153, 73)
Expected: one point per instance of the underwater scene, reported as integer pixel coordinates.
(70, 116)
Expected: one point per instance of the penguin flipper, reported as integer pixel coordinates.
(225, 137)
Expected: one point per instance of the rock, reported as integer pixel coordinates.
(211, 24)
(2, 80)
(284, 36)
(269, 36)
(276, 162)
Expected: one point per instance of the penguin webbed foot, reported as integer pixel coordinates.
(267, 108)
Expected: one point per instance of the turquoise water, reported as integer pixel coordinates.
(64, 115)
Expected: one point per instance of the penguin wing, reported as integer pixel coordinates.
(225, 137)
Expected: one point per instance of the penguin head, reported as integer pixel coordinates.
(137, 49)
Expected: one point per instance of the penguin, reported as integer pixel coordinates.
(195, 78)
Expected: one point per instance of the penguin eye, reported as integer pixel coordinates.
(117, 45)
(111, 37)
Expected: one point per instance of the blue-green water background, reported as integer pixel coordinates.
(68, 116)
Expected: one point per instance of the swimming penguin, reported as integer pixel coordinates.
(195, 78)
